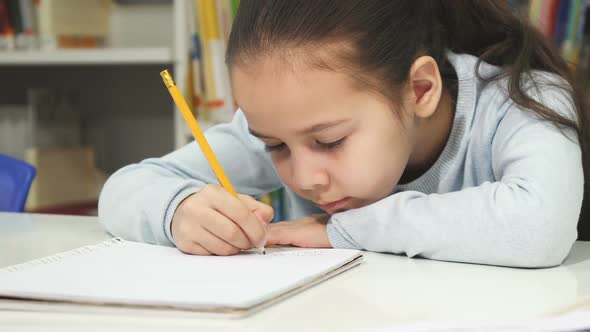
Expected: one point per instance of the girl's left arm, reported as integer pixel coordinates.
(526, 218)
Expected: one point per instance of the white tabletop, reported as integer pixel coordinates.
(385, 290)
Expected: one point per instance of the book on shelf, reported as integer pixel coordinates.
(51, 24)
(209, 27)
(6, 27)
(563, 22)
(26, 38)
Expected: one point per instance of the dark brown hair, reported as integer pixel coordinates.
(386, 36)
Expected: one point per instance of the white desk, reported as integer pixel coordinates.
(383, 291)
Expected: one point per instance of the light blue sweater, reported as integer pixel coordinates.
(506, 190)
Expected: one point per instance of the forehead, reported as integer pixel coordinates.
(275, 86)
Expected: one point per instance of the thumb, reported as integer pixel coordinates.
(263, 212)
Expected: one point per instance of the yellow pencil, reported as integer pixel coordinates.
(198, 134)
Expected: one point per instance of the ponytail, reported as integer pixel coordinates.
(490, 31)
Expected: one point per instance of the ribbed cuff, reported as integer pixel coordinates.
(180, 196)
(338, 237)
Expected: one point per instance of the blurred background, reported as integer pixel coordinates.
(81, 94)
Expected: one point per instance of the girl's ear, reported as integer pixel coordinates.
(426, 86)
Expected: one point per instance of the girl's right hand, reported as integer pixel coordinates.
(213, 222)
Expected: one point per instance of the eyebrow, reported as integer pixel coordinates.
(313, 129)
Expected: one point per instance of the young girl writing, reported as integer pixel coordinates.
(445, 129)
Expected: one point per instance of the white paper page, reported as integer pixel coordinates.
(136, 273)
(575, 321)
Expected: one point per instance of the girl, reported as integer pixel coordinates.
(449, 130)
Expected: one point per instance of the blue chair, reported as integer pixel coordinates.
(16, 177)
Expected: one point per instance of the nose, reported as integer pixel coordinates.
(308, 173)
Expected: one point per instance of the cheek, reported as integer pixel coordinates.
(373, 166)
(284, 170)
(368, 172)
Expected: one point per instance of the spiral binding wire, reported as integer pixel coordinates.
(59, 256)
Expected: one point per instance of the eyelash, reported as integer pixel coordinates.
(324, 146)
(274, 148)
(331, 145)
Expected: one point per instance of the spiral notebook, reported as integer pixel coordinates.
(130, 275)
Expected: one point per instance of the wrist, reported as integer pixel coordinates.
(173, 208)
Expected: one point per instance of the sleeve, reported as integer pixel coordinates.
(139, 200)
(526, 218)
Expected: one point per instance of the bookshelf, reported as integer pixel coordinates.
(127, 114)
(109, 56)
(181, 67)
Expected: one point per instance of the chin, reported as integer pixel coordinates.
(355, 205)
(360, 204)
(339, 210)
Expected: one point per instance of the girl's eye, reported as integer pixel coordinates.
(331, 145)
(322, 145)
(274, 148)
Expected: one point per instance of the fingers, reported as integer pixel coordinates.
(238, 212)
(307, 232)
(263, 211)
(203, 242)
(215, 245)
(216, 223)
(213, 222)
(193, 248)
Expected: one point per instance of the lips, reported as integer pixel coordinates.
(334, 205)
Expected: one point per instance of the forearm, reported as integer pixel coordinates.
(495, 223)
(138, 201)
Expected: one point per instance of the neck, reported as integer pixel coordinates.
(432, 136)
